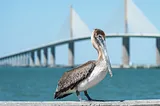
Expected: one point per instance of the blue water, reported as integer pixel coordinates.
(39, 84)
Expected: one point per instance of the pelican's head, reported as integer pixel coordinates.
(98, 37)
(99, 43)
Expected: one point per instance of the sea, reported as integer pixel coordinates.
(39, 84)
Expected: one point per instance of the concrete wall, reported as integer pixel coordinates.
(87, 103)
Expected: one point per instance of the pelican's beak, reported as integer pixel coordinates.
(102, 44)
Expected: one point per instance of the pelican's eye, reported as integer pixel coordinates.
(100, 37)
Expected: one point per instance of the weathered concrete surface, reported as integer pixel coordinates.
(85, 103)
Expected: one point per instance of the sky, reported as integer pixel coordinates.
(25, 24)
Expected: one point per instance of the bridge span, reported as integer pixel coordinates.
(28, 57)
(134, 21)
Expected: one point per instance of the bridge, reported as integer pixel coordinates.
(28, 57)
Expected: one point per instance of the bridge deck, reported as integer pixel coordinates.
(110, 35)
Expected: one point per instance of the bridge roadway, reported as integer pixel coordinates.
(30, 53)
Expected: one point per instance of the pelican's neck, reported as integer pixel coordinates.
(101, 55)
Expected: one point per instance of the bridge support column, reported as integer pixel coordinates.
(13, 61)
(23, 59)
(126, 51)
(27, 59)
(39, 57)
(32, 59)
(45, 53)
(3, 62)
(158, 51)
(6, 61)
(52, 56)
(71, 54)
(17, 60)
(10, 61)
(20, 60)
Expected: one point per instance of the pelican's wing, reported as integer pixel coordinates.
(73, 77)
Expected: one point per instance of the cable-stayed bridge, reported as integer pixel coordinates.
(135, 24)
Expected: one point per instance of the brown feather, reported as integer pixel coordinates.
(72, 78)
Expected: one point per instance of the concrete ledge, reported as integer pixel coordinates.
(86, 103)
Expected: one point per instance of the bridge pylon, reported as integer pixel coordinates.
(158, 51)
(71, 43)
(125, 40)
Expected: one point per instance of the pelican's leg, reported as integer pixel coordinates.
(78, 94)
(86, 94)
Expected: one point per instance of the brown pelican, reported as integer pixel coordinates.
(87, 75)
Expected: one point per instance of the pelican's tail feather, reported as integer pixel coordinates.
(59, 95)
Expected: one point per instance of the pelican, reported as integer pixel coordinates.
(82, 78)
